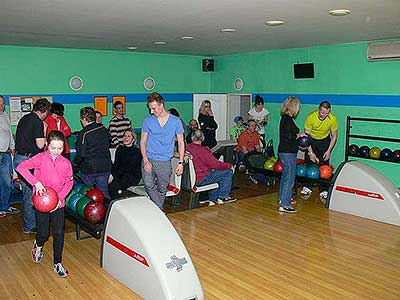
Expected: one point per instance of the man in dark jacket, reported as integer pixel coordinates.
(93, 157)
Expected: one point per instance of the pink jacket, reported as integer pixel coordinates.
(56, 174)
(204, 161)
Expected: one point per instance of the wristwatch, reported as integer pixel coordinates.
(181, 162)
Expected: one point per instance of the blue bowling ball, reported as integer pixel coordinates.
(78, 186)
(313, 172)
(74, 200)
(304, 141)
(301, 170)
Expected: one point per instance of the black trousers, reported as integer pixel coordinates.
(319, 147)
(43, 220)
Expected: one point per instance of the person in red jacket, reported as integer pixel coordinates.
(56, 121)
(210, 170)
(52, 170)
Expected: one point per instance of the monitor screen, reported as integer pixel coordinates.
(303, 70)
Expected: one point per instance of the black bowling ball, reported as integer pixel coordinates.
(396, 156)
(364, 151)
(353, 150)
(386, 154)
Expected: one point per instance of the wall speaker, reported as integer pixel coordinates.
(208, 65)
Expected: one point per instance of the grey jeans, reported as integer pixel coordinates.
(156, 182)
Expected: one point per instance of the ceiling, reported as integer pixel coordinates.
(115, 25)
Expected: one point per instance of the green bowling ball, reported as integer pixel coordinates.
(71, 193)
(269, 164)
(81, 204)
(84, 189)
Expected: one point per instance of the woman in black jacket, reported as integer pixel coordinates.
(207, 124)
(126, 170)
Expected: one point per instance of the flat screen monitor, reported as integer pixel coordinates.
(303, 70)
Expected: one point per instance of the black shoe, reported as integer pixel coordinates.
(33, 230)
(289, 210)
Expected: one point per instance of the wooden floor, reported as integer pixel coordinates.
(243, 251)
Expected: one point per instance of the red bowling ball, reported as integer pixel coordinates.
(95, 212)
(47, 201)
(325, 172)
(278, 167)
(95, 195)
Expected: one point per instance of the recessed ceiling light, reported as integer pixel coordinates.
(132, 48)
(160, 43)
(274, 23)
(187, 38)
(228, 30)
(339, 12)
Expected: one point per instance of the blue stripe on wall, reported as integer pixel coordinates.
(349, 100)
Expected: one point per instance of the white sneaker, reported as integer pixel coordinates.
(211, 203)
(204, 201)
(305, 191)
(323, 195)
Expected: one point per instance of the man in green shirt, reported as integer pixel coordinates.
(322, 126)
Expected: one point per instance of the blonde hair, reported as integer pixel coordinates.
(134, 135)
(291, 106)
(202, 109)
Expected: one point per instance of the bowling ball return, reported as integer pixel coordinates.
(92, 230)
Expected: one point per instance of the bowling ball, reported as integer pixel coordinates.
(278, 167)
(81, 204)
(304, 141)
(396, 156)
(325, 172)
(71, 193)
(375, 152)
(83, 190)
(353, 150)
(364, 151)
(95, 195)
(47, 201)
(269, 164)
(313, 172)
(300, 161)
(95, 212)
(73, 200)
(386, 154)
(301, 170)
(78, 186)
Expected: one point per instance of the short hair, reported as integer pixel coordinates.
(251, 121)
(155, 97)
(2, 97)
(324, 104)
(133, 134)
(98, 112)
(197, 135)
(57, 108)
(55, 135)
(88, 114)
(174, 112)
(291, 106)
(42, 105)
(258, 100)
(117, 103)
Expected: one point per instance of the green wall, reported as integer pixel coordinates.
(339, 69)
(36, 71)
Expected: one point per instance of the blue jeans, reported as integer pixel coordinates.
(100, 180)
(287, 178)
(224, 180)
(5, 181)
(28, 220)
(156, 182)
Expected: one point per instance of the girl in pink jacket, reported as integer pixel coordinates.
(53, 170)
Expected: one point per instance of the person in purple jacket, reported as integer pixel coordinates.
(210, 170)
(52, 170)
